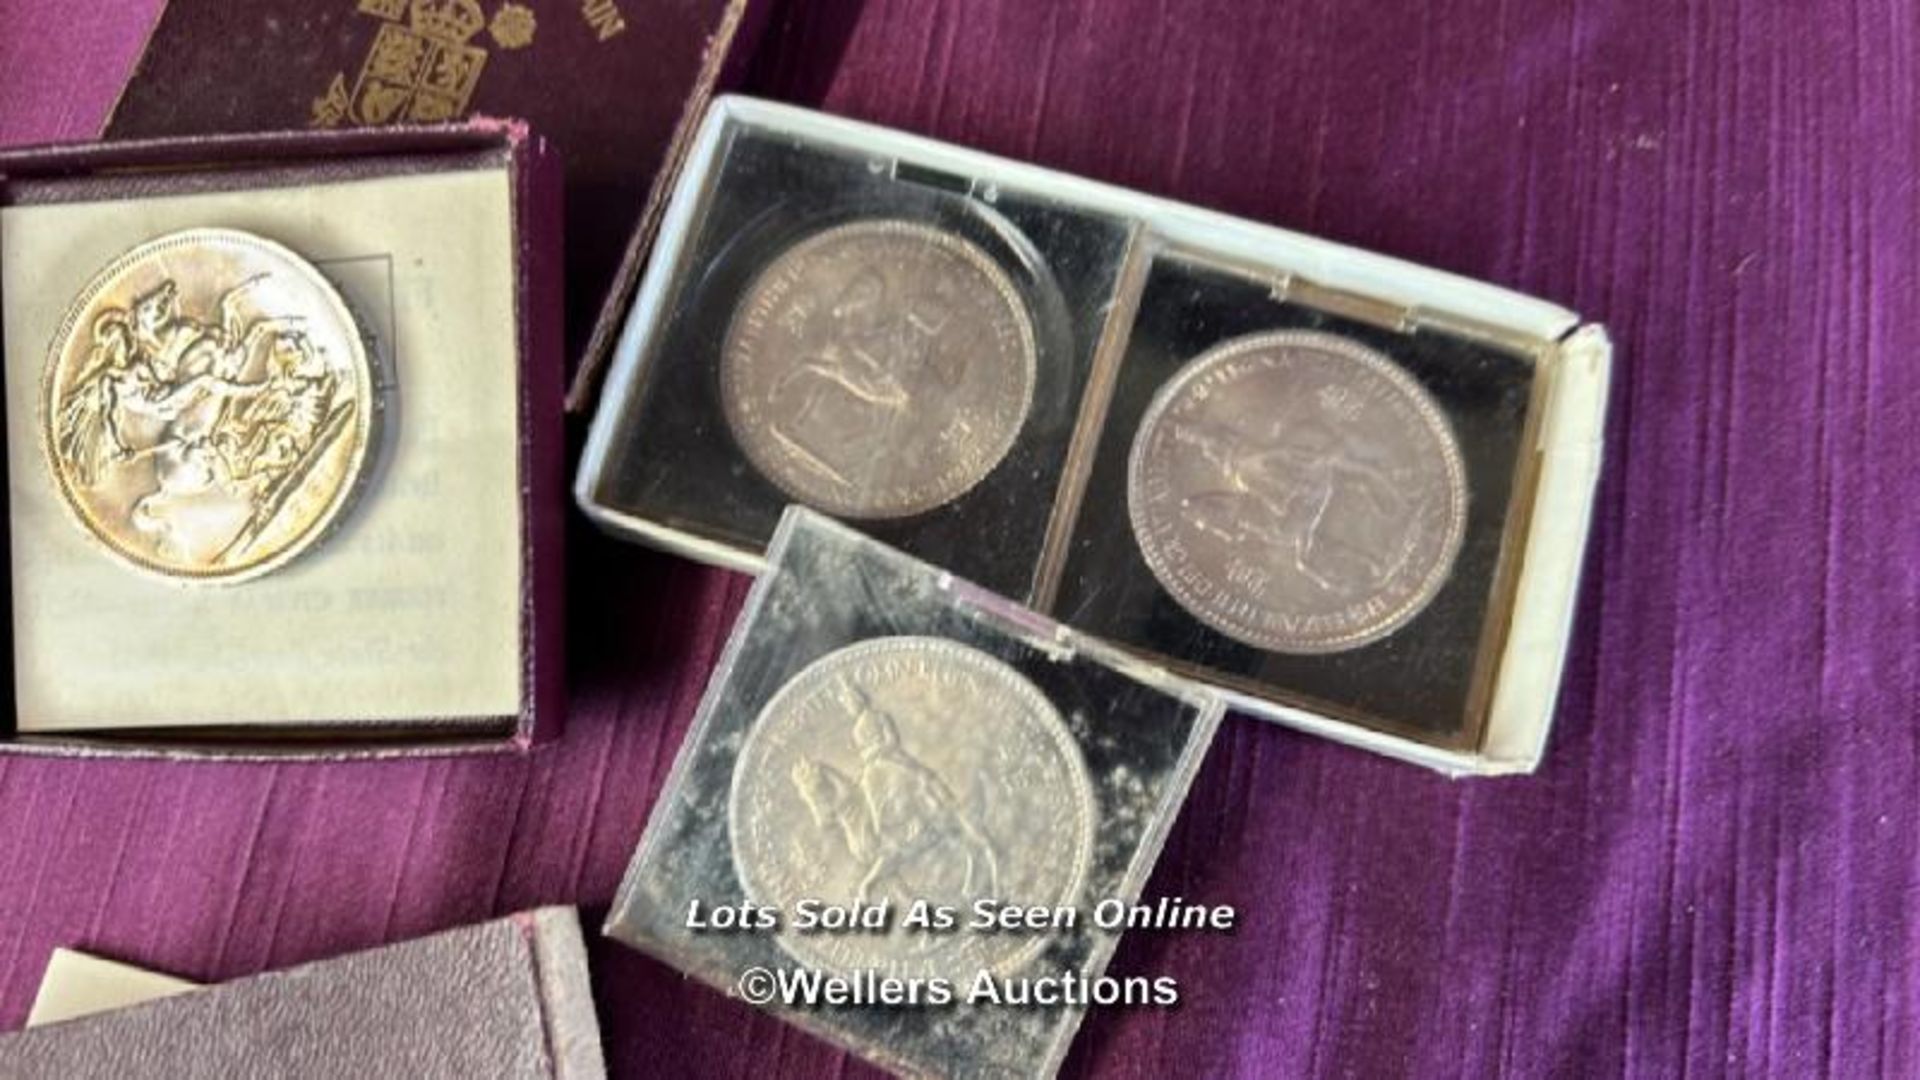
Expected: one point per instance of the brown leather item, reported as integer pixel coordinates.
(508, 998)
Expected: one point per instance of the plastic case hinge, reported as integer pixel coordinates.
(1399, 318)
(1031, 627)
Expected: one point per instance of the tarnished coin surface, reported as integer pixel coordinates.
(1297, 492)
(206, 406)
(878, 369)
(908, 769)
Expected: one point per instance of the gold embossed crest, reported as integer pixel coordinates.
(423, 66)
(207, 406)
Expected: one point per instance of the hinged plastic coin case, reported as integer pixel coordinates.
(878, 733)
(428, 618)
(1118, 294)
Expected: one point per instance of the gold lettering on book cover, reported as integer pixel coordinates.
(603, 18)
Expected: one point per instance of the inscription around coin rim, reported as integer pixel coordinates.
(938, 491)
(358, 366)
(817, 678)
(1378, 365)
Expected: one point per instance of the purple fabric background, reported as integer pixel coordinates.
(1716, 871)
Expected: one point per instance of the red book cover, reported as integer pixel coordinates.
(605, 81)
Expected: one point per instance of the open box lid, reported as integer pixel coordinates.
(281, 159)
(1561, 446)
